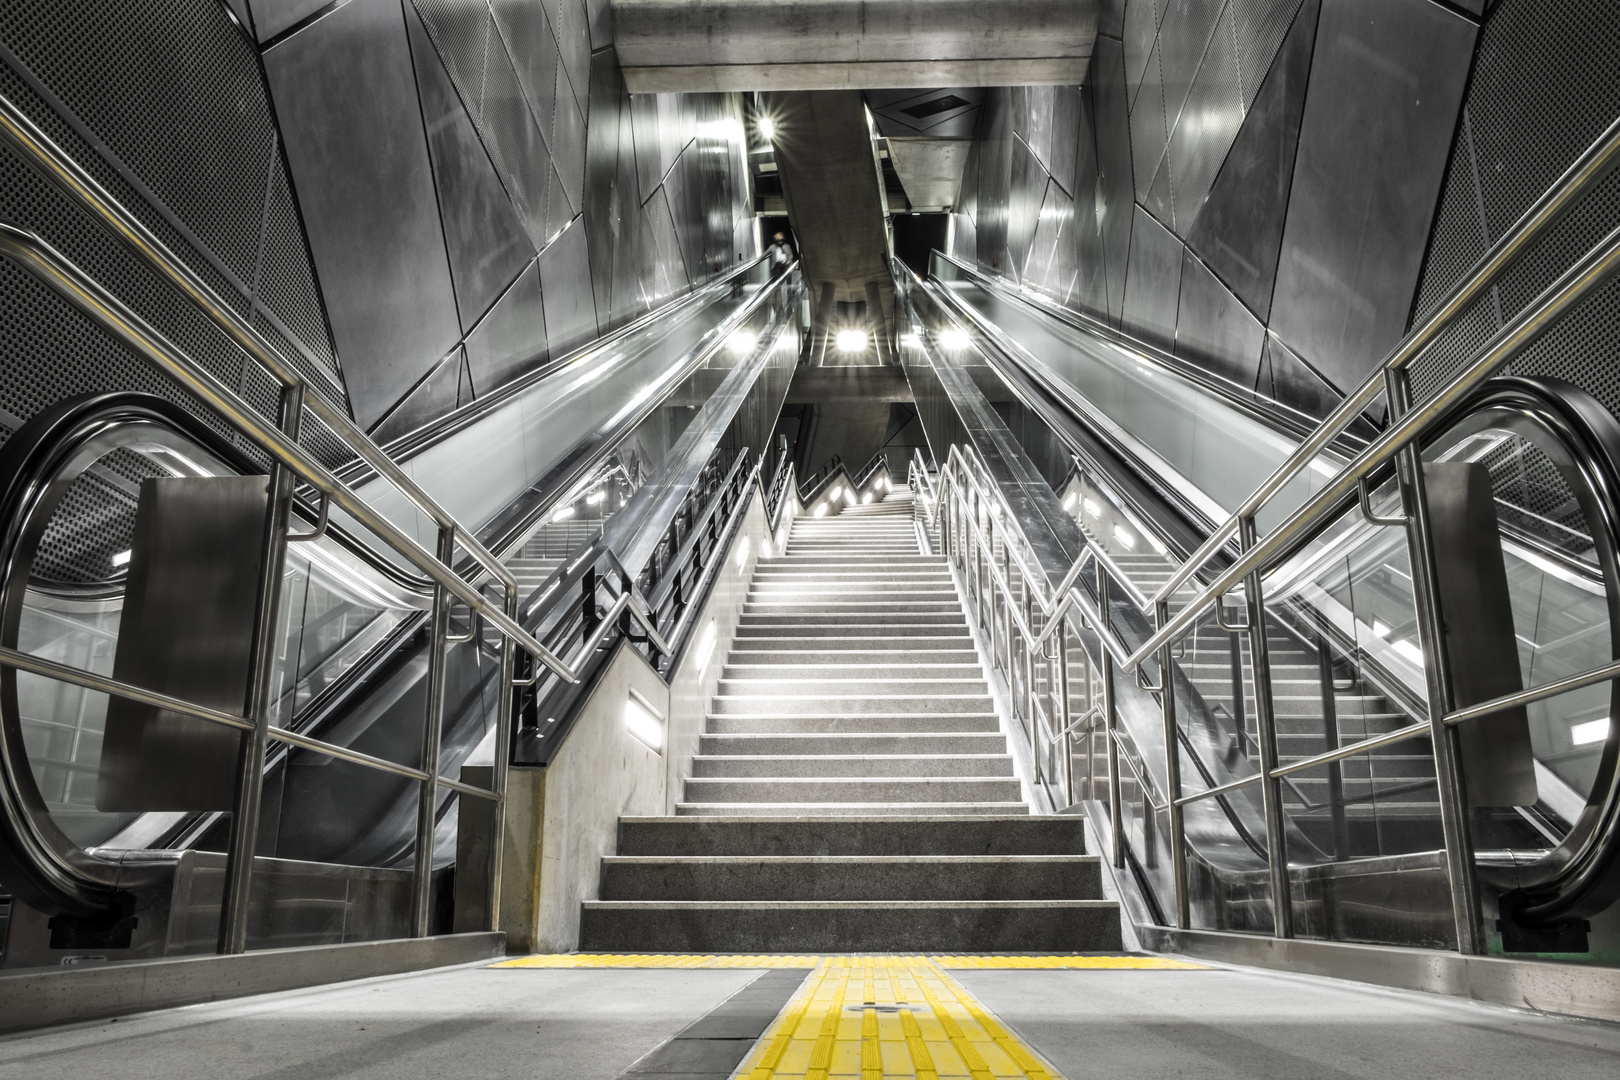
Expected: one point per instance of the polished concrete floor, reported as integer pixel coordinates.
(582, 1024)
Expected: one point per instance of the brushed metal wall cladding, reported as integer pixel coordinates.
(1113, 197)
(1258, 28)
(1239, 229)
(604, 205)
(346, 99)
(1149, 133)
(1068, 121)
(1026, 194)
(1385, 91)
(1289, 379)
(440, 391)
(1205, 126)
(1542, 90)
(1214, 328)
(1153, 281)
(483, 233)
(565, 287)
(512, 337)
(1086, 234)
(172, 93)
(1052, 258)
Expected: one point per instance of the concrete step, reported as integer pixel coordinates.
(851, 705)
(867, 789)
(937, 631)
(852, 877)
(853, 615)
(836, 745)
(850, 926)
(876, 686)
(861, 809)
(981, 834)
(816, 652)
(852, 723)
(824, 671)
(852, 765)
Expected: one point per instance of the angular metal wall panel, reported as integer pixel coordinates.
(1052, 266)
(1140, 29)
(1385, 91)
(565, 285)
(1027, 192)
(526, 32)
(1213, 328)
(1091, 260)
(273, 17)
(512, 337)
(515, 142)
(664, 272)
(437, 394)
(460, 29)
(1036, 106)
(1207, 125)
(1239, 229)
(602, 203)
(1068, 121)
(346, 98)
(571, 26)
(1258, 27)
(1290, 380)
(1114, 191)
(1152, 282)
(1111, 17)
(568, 142)
(1184, 36)
(482, 230)
(1149, 133)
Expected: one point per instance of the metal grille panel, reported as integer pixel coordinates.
(1542, 91)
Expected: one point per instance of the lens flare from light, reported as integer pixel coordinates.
(954, 339)
(767, 128)
(850, 341)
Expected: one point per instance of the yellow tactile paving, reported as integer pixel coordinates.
(884, 1018)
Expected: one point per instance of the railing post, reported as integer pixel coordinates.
(1110, 726)
(1066, 747)
(1172, 775)
(234, 905)
(1437, 678)
(1330, 741)
(1282, 905)
(427, 806)
(502, 760)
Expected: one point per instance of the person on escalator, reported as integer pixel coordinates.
(781, 255)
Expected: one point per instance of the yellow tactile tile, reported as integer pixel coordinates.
(885, 1018)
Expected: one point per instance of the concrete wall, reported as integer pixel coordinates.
(850, 44)
(562, 819)
(1250, 185)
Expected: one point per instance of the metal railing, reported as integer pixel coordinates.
(291, 464)
(1029, 613)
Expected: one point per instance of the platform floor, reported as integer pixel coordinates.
(544, 1022)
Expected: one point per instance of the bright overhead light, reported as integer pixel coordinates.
(742, 554)
(595, 497)
(121, 559)
(954, 339)
(643, 722)
(1124, 537)
(767, 128)
(743, 342)
(1593, 731)
(850, 341)
(562, 513)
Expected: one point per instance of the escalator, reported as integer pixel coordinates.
(583, 477)
(1139, 457)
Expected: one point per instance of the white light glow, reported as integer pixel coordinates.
(1408, 650)
(1380, 629)
(121, 559)
(836, 493)
(595, 497)
(1069, 500)
(911, 340)
(866, 498)
(765, 548)
(705, 647)
(767, 128)
(1593, 731)
(644, 723)
(562, 513)
(849, 496)
(742, 554)
(819, 511)
(743, 342)
(850, 341)
(1125, 538)
(954, 339)
(1092, 509)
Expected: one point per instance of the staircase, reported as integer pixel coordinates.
(853, 790)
